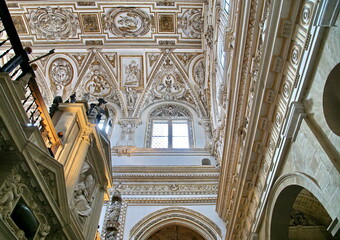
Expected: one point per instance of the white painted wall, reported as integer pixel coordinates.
(154, 160)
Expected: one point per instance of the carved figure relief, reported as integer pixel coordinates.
(111, 221)
(131, 95)
(131, 71)
(191, 23)
(127, 22)
(54, 23)
(84, 192)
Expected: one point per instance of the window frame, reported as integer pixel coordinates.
(170, 136)
(156, 114)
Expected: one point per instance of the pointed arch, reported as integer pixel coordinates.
(175, 215)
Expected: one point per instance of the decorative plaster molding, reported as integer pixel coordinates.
(127, 22)
(168, 189)
(173, 200)
(255, 161)
(54, 23)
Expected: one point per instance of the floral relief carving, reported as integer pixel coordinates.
(168, 84)
(169, 189)
(54, 23)
(127, 22)
(97, 84)
(185, 57)
(191, 23)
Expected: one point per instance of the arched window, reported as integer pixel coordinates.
(169, 126)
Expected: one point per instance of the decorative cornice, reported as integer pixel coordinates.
(170, 152)
(173, 200)
(168, 189)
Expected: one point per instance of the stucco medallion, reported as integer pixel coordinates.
(54, 23)
(61, 72)
(127, 22)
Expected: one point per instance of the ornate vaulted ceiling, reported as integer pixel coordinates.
(129, 53)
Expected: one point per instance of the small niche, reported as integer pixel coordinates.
(24, 218)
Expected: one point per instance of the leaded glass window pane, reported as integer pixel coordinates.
(180, 142)
(159, 142)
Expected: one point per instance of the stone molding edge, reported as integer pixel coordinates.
(175, 212)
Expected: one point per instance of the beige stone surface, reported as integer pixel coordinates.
(327, 59)
(307, 156)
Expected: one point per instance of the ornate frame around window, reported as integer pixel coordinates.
(167, 112)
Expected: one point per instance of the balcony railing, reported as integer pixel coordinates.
(15, 61)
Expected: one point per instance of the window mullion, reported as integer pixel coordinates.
(170, 133)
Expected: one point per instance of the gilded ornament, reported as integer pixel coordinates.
(127, 22)
(191, 23)
(54, 23)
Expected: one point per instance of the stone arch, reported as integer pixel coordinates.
(175, 215)
(281, 199)
(169, 111)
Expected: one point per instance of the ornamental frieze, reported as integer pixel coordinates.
(168, 189)
(54, 23)
(127, 22)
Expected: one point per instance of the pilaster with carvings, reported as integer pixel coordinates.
(266, 103)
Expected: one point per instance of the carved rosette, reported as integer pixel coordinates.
(127, 22)
(191, 23)
(54, 23)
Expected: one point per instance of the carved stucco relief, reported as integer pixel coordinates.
(127, 22)
(208, 227)
(54, 23)
(168, 189)
(61, 74)
(191, 23)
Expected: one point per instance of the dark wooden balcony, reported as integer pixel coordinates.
(15, 61)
